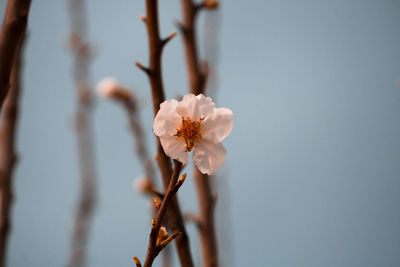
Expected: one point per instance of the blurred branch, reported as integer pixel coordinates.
(140, 142)
(206, 219)
(12, 31)
(197, 81)
(81, 55)
(156, 44)
(155, 244)
(8, 136)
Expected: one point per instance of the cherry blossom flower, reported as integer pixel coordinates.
(194, 124)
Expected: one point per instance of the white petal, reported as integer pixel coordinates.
(217, 125)
(209, 156)
(195, 107)
(174, 148)
(166, 120)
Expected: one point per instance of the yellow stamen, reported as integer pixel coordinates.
(190, 132)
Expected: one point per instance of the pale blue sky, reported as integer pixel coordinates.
(313, 173)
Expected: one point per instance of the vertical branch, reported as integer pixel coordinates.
(12, 30)
(8, 136)
(197, 82)
(84, 133)
(156, 44)
(206, 219)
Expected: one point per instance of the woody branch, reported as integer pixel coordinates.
(156, 44)
(8, 135)
(12, 30)
(197, 73)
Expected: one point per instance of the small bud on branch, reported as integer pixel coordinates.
(137, 261)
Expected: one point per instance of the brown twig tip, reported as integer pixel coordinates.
(143, 68)
(153, 223)
(181, 180)
(137, 261)
(156, 202)
(210, 4)
(164, 243)
(166, 40)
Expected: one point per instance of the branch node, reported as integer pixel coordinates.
(166, 40)
(191, 217)
(143, 18)
(143, 68)
(164, 243)
(182, 28)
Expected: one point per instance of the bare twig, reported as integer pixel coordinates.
(12, 31)
(140, 142)
(155, 247)
(81, 53)
(197, 83)
(208, 235)
(175, 219)
(8, 135)
(197, 76)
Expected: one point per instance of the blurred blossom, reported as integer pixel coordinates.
(142, 185)
(107, 87)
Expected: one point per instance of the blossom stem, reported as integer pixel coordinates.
(8, 134)
(175, 218)
(12, 31)
(154, 248)
(197, 83)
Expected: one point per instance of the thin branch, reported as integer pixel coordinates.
(87, 202)
(208, 235)
(197, 76)
(175, 219)
(154, 248)
(197, 83)
(12, 31)
(143, 68)
(140, 142)
(8, 135)
(166, 40)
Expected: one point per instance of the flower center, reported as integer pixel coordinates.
(190, 132)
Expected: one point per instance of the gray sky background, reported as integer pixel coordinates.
(312, 175)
